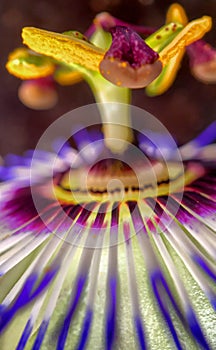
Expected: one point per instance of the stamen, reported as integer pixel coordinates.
(25, 64)
(64, 48)
(192, 32)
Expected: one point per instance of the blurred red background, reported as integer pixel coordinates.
(185, 109)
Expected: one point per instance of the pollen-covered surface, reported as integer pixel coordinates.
(25, 64)
(162, 83)
(193, 31)
(64, 48)
(175, 18)
(65, 76)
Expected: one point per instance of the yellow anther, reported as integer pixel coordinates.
(64, 48)
(176, 13)
(21, 64)
(192, 32)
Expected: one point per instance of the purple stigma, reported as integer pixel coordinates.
(128, 46)
(129, 61)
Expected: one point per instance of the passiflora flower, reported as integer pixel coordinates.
(107, 240)
(104, 251)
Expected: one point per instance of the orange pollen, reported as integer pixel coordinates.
(124, 64)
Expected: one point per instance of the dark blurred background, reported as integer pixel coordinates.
(185, 109)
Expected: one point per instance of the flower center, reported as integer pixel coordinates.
(114, 180)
